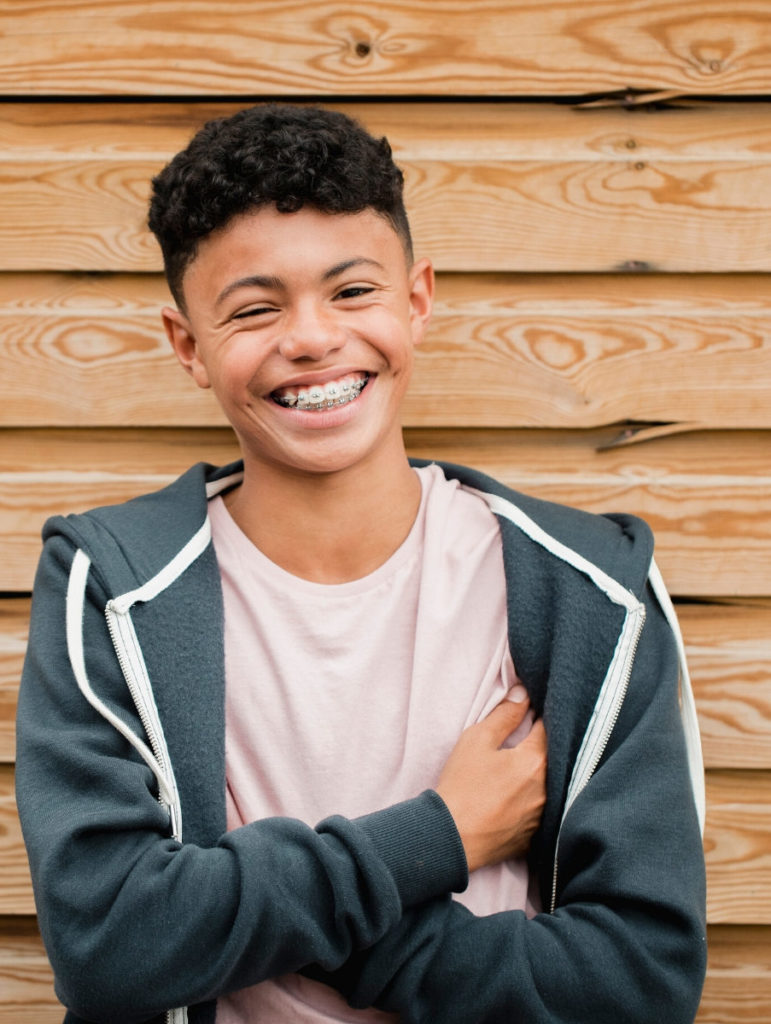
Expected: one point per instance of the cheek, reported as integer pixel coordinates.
(398, 340)
(241, 365)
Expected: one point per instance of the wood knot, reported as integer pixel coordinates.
(634, 267)
(362, 49)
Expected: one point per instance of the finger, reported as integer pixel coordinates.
(534, 746)
(504, 719)
(537, 735)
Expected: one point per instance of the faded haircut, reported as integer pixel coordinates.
(273, 154)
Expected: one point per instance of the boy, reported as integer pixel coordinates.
(304, 636)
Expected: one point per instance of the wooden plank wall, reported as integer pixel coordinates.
(593, 182)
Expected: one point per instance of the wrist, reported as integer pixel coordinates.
(421, 846)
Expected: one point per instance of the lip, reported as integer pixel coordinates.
(319, 377)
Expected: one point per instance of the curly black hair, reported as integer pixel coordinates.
(284, 155)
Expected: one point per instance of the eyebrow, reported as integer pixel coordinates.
(252, 281)
(276, 283)
(356, 261)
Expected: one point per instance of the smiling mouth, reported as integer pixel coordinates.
(317, 397)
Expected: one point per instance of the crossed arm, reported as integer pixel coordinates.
(135, 922)
(627, 938)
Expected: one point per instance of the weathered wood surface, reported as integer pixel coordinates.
(738, 984)
(26, 981)
(736, 989)
(524, 195)
(729, 653)
(503, 350)
(424, 47)
(729, 657)
(737, 845)
(15, 885)
(14, 622)
(704, 493)
(489, 187)
(684, 131)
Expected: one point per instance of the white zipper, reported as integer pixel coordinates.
(76, 590)
(614, 687)
(132, 664)
(603, 721)
(131, 661)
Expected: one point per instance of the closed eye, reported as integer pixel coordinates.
(254, 311)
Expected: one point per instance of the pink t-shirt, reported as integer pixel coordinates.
(345, 698)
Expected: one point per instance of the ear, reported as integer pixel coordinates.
(180, 334)
(421, 298)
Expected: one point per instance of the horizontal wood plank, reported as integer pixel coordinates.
(737, 848)
(737, 988)
(729, 654)
(15, 884)
(488, 187)
(704, 493)
(738, 983)
(26, 980)
(429, 47)
(456, 130)
(729, 657)
(503, 351)
(14, 627)
(737, 845)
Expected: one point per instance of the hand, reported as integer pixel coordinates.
(496, 796)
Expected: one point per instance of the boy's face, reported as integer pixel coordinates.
(304, 326)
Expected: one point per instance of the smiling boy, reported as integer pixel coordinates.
(304, 325)
(264, 732)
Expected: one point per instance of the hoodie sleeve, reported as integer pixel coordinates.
(626, 940)
(136, 922)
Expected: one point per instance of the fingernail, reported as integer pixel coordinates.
(517, 694)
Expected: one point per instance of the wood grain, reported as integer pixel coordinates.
(26, 979)
(729, 654)
(14, 622)
(15, 884)
(603, 274)
(738, 984)
(519, 188)
(502, 351)
(737, 846)
(737, 849)
(433, 47)
(684, 131)
(705, 494)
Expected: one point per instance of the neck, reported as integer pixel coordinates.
(328, 528)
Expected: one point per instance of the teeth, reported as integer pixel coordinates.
(327, 396)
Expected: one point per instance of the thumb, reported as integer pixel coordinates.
(507, 716)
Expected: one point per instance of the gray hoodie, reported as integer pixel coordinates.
(150, 909)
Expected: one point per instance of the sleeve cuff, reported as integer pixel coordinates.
(420, 844)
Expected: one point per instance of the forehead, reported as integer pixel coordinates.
(291, 247)
(307, 234)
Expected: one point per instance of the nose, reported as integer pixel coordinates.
(310, 332)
